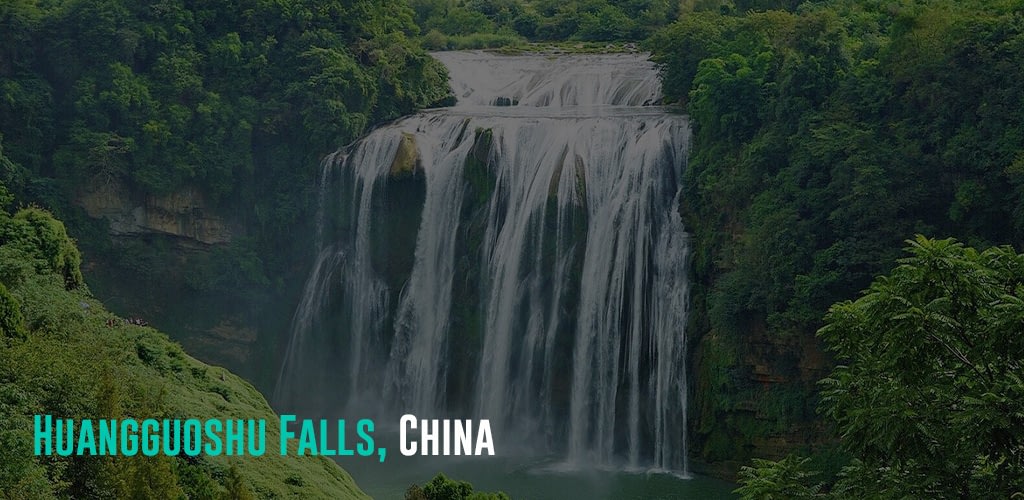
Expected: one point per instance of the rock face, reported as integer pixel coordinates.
(755, 396)
(231, 342)
(184, 214)
(406, 161)
(179, 233)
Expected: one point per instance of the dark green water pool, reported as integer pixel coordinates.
(523, 479)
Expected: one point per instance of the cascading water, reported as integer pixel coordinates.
(517, 257)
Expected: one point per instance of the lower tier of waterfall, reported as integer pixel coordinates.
(524, 267)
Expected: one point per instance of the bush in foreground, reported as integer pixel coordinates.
(442, 488)
(928, 395)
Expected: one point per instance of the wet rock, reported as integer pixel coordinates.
(406, 158)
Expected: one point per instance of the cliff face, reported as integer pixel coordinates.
(162, 246)
(63, 354)
(184, 214)
(754, 397)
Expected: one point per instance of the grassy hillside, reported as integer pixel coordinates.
(62, 353)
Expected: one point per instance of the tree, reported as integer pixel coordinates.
(443, 488)
(933, 385)
(52, 244)
(21, 474)
(236, 487)
(12, 322)
(154, 477)
(785, 479)
(680, 47)
(928, 395)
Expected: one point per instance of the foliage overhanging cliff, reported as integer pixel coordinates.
(234, 96)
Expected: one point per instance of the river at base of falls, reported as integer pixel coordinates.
(536, 478)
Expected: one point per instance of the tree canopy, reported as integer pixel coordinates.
(235, 101)
(928, 395)
(239, 98)
(824, 135)
(467, 24)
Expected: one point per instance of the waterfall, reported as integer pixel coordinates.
(518, 257)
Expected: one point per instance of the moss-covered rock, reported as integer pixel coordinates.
(750, 401)
(406, 157)
(466, 316)
(480, 177)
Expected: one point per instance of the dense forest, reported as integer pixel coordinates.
(235, 96)
(826, 135)
(478, 24)
(825, 138)
(129, 103)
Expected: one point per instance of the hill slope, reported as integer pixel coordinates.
(62, 353)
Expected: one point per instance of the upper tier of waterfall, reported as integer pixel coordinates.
(517, 257)
(538, 80)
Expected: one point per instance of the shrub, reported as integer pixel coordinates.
(52, 244)
(12, 323)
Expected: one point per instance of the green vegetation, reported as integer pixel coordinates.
(823, 137)
(62, 353)
(238, 101)
(478, 24)
(826, 132)
(929, 394)
(228, 96)
(442, 488)
(567, 47)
